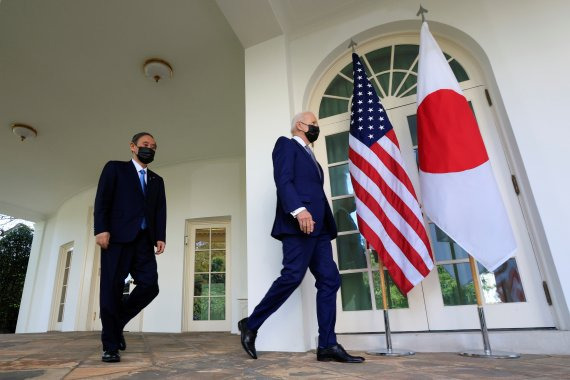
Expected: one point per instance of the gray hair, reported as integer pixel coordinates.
(298, 117)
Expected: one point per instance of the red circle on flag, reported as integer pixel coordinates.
(449, 139)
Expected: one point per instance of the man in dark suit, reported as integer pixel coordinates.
(130, 220)
(305, 224)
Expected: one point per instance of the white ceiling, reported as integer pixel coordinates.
(73, 70)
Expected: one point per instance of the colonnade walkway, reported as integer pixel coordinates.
(77, 355)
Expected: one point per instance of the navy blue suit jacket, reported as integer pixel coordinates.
(120, 203)
(299, 185)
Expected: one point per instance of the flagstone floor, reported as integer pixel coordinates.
(219, 356)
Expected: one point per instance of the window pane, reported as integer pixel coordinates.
(218, 238)
(65, 274)
(218, 287)
(355, 291)
(340, 87)
(397, 78)
(201, 259)
(459, 71)
(60, 313)
(396, 300)
(350, 251)
(200, 309)
(201, 285)
(384, 80)
(410, 81)
(340, 180)
(331, 107)
(217, 308)
(413, 125)
(503, 285)
(456, 284)
(63, 291)
(202, 239)
(379, 59)
(68, 259)
(337, 147)
(344, 211)
(404, 56)
(444, 247)
(218, 261)
(347, 70)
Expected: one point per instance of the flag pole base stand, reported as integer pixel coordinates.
(490, 354)
(390, 352)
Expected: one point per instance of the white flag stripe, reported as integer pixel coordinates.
(394, 152)
(431, 56)
(409, 270)
(389, 178)
(393, 216)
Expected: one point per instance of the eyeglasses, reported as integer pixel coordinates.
(310, 125)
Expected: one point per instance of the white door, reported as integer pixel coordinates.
(513, 294)
(207, 293)
(134, 324)
(62, 285)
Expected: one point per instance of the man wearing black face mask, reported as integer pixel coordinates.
(130, 220)
(305, 224)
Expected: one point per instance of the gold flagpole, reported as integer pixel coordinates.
(486, 352)
(388, 351)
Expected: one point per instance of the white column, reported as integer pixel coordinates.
(31, 275)
(268, 115)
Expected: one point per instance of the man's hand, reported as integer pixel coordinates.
(102, 239)
(306, 222)
(160, 247)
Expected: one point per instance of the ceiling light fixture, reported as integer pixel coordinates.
(157, 69)
(24, 131)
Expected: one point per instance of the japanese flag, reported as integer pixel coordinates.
(459, 192)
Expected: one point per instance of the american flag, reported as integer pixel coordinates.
(388, 213)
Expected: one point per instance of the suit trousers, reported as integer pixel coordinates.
(300, 253)
(117, 261)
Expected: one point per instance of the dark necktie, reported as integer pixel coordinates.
(143, 186)
(313, 158)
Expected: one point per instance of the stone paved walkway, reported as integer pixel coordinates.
(219, 356)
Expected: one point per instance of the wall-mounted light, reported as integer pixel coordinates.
(157, 69)
(24, 131)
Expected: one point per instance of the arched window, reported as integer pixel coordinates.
(392, 66)
(393, 72)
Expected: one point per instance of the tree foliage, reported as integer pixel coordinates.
(15, 246)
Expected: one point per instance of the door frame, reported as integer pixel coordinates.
(58, 284)
(188, 267)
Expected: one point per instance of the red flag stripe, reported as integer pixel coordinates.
(395, 201)
(392, 182)
(386, 155)
(395, 234)
(395, 272)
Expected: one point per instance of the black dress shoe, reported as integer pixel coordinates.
(122, 343)
(111, 357)
(247, 338)
(337, 353)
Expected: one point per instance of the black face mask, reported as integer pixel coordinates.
(313, 133)
(145, 155)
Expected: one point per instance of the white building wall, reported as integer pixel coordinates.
(520, 46)
(267, 117)
(194, 190)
